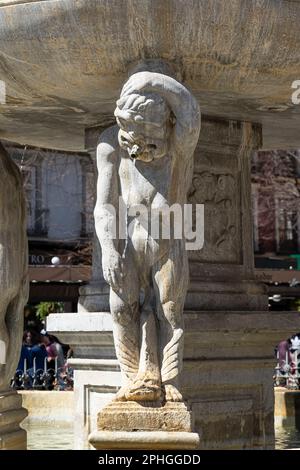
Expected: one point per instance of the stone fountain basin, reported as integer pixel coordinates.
(64, 61)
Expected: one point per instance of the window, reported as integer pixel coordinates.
(29, 179)
(286, 225)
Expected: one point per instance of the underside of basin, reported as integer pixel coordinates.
(64, 61)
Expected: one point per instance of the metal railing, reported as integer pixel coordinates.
(59, 378)
(287, 371)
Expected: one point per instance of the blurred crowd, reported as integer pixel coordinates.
(43, 362)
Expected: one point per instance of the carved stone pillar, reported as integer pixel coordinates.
(14, 293)
(222, 272)
(94, 297)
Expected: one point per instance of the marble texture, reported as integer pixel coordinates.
(13, 266)
(145, 163)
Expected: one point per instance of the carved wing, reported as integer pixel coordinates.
(171, 355)
(127, 349)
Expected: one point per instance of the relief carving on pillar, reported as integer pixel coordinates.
(219, 194)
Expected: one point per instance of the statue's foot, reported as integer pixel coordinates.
(172, 393)
(121, 394)
(144, 390)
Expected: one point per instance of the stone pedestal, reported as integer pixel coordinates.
(137, 416)
(143, 440)
(132, 425)
(12, 437)
(227, 374)
(287, 408)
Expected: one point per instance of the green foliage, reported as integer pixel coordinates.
(296, 305)
(44, 308)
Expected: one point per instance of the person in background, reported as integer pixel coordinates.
(285, 359)
(39, 354)
(54, 350)
(31, 321)
(287, 353)
(30, 338)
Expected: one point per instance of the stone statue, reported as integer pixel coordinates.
(146, 160)
(13, 267)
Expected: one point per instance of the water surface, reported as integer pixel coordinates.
(287, 437)
(49, 436)
(55, 436)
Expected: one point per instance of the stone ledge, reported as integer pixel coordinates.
(53, 406)
(94, 364)
(83, 322)
(9, 401)
(16, 440)
(143, 440)
(209, 335)
(12, 437)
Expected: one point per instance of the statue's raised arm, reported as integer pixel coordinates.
(184, 106)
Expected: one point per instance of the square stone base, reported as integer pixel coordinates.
(144, 440)
(147, 416)
(137, 425)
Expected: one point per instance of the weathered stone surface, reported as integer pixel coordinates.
(89, 334)
(145, 165)
(227, 375)
(94, 297)
(143, 440)
(96, 382)
(12, 437)
(53, 406)
(134, 416)
(222, 272)
(64, 62)
(229, 343)
(287, 407)
(13, 295)
(13, 266)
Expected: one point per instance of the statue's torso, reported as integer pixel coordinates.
(145, 183)
(149, 185)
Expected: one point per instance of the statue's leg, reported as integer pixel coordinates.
(170, 278)
(147, 384)
(126, 331)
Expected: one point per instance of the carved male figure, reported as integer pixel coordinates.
(147, 159)
(13, 266)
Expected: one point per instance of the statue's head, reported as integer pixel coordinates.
(145, 122)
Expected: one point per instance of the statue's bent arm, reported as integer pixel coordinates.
(182, 103)
(106, 209)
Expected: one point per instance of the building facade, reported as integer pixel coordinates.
(276, 224)
(59, 189)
